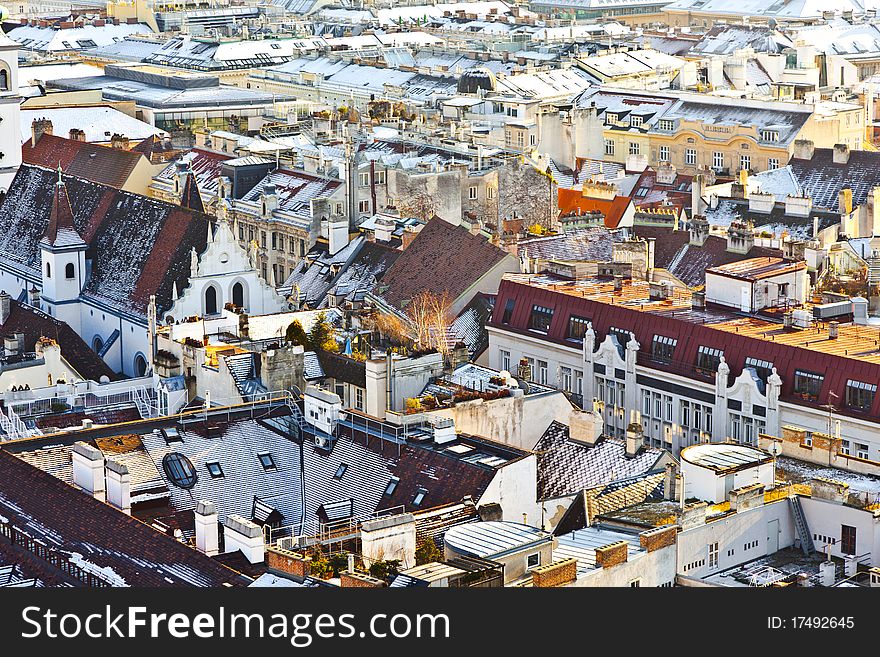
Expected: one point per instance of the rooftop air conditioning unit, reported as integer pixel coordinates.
(322, 442)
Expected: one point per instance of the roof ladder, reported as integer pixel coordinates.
(800, 521)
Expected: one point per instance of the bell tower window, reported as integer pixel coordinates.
(69, 271)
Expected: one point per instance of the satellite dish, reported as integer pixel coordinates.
(775, 448)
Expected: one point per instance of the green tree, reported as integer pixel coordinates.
(385, 570)
(428, 552)
(323, 335)
(296, 334)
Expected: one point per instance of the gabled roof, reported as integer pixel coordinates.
(441, 258)
(138, 246)
(100, 164)
(566, 467)
(36, 324)
(572, 202)
(115, 547)
(191, 198)
(822, 179)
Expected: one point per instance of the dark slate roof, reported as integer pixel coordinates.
(822, 179)
(191, 198)
(111, 544)
(350, 273)
(441, 258)
(139, 246)
(687, 262)
(566, 467)
(100, 164)
(593, 244)
(343, 368)
(470, 325)
(36, 324)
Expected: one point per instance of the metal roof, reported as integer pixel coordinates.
(723, 456)
(493, 538)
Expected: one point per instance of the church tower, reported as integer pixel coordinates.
(10, 144)
(63, 256)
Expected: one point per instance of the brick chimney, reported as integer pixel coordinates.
(119, 141)
(76, 134)
(40, 127)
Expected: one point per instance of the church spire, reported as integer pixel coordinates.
(190, 197)
(61, 230)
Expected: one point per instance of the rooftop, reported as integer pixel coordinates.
(724, 457)
(493, 538)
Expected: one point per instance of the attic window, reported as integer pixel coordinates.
(666, 124)
(214, 469)
(340, 471)
(419, 497)
(179, 470)
(391, 487)
(267, 461)
(708, 358)
(171, 435)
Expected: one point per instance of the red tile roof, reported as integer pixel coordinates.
(68, 521)
(572, 202)
(100, 164)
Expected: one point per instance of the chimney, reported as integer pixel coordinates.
(34, 297)
(337, 234)
(845, 201)
(119, 141)
(698, 205)
(669, 481)
(40, 127)
(584, 427)
(75, 134)
(88, 469)
(634, 439)
(10, 345)
(207, 528)
(242, 534)
(618, 283)
(833, 328)
(444, 431)
(118, 485)
(798, 206)
(803, 149)
(698, 300)
(840, 154)
(5, 307)
(788, 320)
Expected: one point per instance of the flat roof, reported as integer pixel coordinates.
(757, 268)
(857, 342)
(582, 544)
(493, 538)
(724, 457)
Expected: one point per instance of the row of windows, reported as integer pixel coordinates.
(278, 240)
(690, 156)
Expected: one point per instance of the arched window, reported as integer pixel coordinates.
(4, 80)
(140, 365)
(97, 344)
(48, 270)
(69, 271)
(211, 300)
(238, 295)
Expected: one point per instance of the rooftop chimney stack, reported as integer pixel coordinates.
(840, 154)
(40, 127)
(207, 528)
(634, 439)
(833, 328)
(118, 485)
(88, 469)
(5, 307)
(584, 427)
(242, 534)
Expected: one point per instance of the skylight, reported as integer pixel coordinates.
(179, 470)
(340, 471)
(267, 461)
(214, 469)
(392, 486)
(419, 497)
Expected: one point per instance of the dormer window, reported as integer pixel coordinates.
(636, 121)
(769, 135)
(267, 461)
(611, 118)
(666, 125)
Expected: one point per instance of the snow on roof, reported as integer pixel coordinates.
(47, 72)
(99, 123)
(51, 39)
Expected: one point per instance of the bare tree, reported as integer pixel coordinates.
(527, 193)
(430, 315)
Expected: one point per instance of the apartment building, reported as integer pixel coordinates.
(690, 370)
